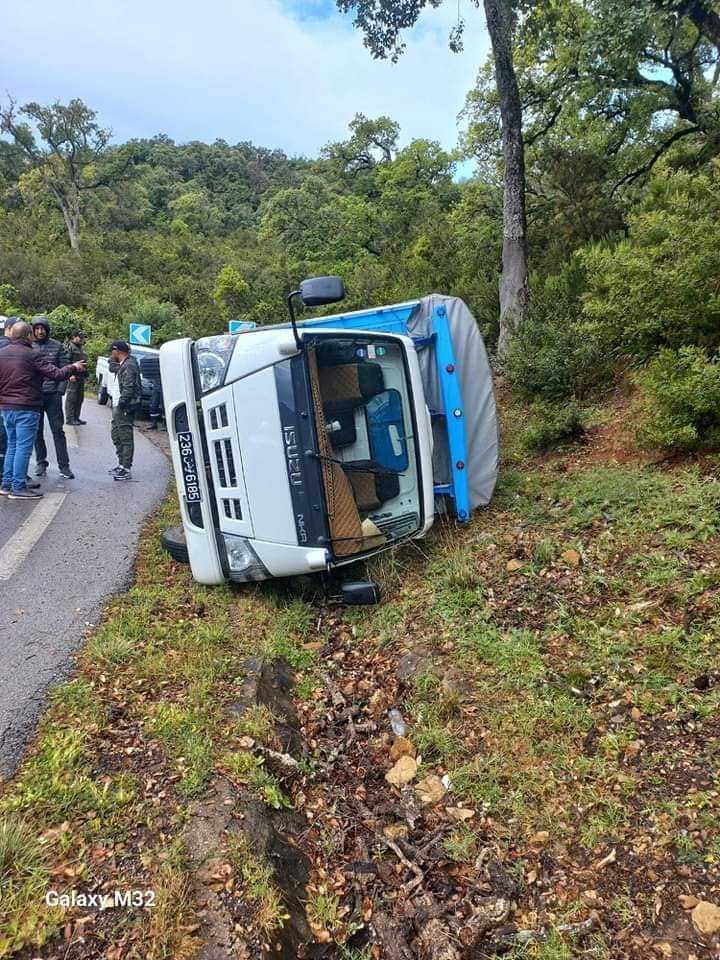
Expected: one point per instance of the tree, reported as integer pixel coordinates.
(382, 24)
(628, 81)
(231, 293)
(75, 157)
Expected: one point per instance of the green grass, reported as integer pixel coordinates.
(258, 886)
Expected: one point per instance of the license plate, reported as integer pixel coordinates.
(189, 470)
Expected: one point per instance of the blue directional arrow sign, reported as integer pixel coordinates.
(240, 326)
(140, 334)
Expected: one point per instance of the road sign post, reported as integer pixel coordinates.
(240, 326)
(140, 334)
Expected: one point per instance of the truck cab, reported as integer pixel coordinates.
(300, 448)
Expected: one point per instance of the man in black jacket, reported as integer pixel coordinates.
(22, 374)
(52, 393)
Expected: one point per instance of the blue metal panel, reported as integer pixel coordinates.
(381, 320)
(454, 412)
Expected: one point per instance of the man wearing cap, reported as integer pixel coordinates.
(76, 386)
(52, 393)
(22, 374)
(127, 397)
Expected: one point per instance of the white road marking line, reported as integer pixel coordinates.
(71, 436)
(28, 533)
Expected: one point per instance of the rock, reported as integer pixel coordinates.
(401, 748)
(403, 772)
(571, 557)
(395, 831)
(635, 715)
(399, 727)
(688, 902)
(663, 949)
(514, 565)
(541, 837)
(414, 663)
(460, 814)
(430, 790)
(706, 917)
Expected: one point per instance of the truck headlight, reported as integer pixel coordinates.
(243, 562)
(213, 356)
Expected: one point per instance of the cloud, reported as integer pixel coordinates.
(282, 73)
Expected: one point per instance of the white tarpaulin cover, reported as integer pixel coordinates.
(476, 386)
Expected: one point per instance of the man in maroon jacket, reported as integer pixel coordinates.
(22, 371)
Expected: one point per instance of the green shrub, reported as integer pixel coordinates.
(658, 288)
(554, 357)
(681, 400)
(553, 425)
(64, 322)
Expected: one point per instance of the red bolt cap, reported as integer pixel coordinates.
(460, 465)
(450, 368)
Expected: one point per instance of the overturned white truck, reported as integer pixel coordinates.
(302, 447)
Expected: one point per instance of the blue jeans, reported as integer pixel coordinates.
(21, 429)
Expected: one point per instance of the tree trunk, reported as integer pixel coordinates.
(704, 17)
(514, 287)
(70, 208)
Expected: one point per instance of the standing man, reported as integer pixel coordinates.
(127, 397)
(54, 352)
(76, 385)
(5, 335)
(23, 371)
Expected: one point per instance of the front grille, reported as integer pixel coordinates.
(227, 475)
(232, 508)
(225, 463)
(218, 417)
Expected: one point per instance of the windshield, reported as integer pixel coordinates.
(364, 416)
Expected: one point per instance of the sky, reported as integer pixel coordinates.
(281, 73)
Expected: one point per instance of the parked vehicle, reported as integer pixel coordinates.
(300, 448)
(149, 362)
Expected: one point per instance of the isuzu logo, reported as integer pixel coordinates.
(293, 456)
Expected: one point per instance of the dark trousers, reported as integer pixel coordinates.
(122, 436)
(52, 409)
(3, 444)
(74, 399)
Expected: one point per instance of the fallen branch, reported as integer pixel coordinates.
(413, 867)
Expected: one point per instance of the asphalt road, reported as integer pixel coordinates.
(60, 558)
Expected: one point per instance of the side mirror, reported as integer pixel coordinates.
(321, 290)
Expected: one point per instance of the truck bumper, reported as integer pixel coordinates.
(180, 405)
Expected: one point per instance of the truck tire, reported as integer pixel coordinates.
(102, 393)
(173, 540)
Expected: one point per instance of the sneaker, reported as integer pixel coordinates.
(5, 491)
(71, 423)
(66, 472)
(116, 469)
(122, 474)
(25, 495)
(41, 470)
(80, 423)
(31, 485)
